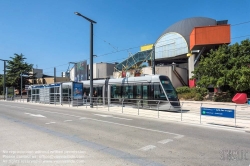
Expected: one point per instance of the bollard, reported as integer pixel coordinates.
(158, 109)
(122, 105)
(68, 101)
(97, 103)
(86, 100)
(181, 110)
(138, 106)
(200, 113)
(108, 106)
(235, 115)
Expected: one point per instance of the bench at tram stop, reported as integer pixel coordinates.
(241, 98)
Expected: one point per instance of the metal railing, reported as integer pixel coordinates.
(188, 111)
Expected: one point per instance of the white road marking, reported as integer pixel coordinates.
(121, 118)
(197, 125)
(83, 118)
(103, 115)
(159, 131)
(36, 115)
(50, 122)
(142, 128)
(148, 147)
(67, 120)
(111, 116)
(165, 141)
(179, 136)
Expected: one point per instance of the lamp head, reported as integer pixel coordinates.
(77, 13)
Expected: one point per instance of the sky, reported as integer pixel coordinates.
(49, 34)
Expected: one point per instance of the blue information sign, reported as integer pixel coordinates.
(77, 90)
(220, 112)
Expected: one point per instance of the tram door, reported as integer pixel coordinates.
(145, 95)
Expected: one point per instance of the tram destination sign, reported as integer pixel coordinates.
(219, 112)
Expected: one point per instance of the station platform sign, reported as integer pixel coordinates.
(219, 112)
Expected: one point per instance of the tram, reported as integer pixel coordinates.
(153, 91)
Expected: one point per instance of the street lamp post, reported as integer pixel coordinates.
(153, 61)
(21, 89)
(91, 56)
(4, 78)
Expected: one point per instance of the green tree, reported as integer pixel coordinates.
(228, 66)
(15, 67)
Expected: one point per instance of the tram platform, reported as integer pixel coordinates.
(189, 114)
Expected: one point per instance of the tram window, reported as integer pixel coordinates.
(125, 91)
(113, 88)
(158, 92)
(99, 91)
(87, 90)
(116, 91)
(169, 89)
(130, 91)
(138, 91)
(145, 91)
(151, 92)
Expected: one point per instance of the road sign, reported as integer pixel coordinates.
(219, 112)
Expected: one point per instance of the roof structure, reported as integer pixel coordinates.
(184, 27)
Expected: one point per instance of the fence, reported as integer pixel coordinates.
(189, 111)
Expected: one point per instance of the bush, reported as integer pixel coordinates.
(183, 89)
(223, 97)
(197, 94)
(202, 91)
(198, 97)
(186, 96)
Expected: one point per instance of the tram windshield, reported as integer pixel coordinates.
(168, 87)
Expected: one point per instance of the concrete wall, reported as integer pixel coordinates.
(183, 65)
(163, 70)
(160, 70)
(183, 73)
(102, 70)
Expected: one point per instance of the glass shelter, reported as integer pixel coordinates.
(57, 93)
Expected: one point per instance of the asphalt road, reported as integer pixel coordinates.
(35, 134)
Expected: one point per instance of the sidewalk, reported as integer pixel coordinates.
(190, 113)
